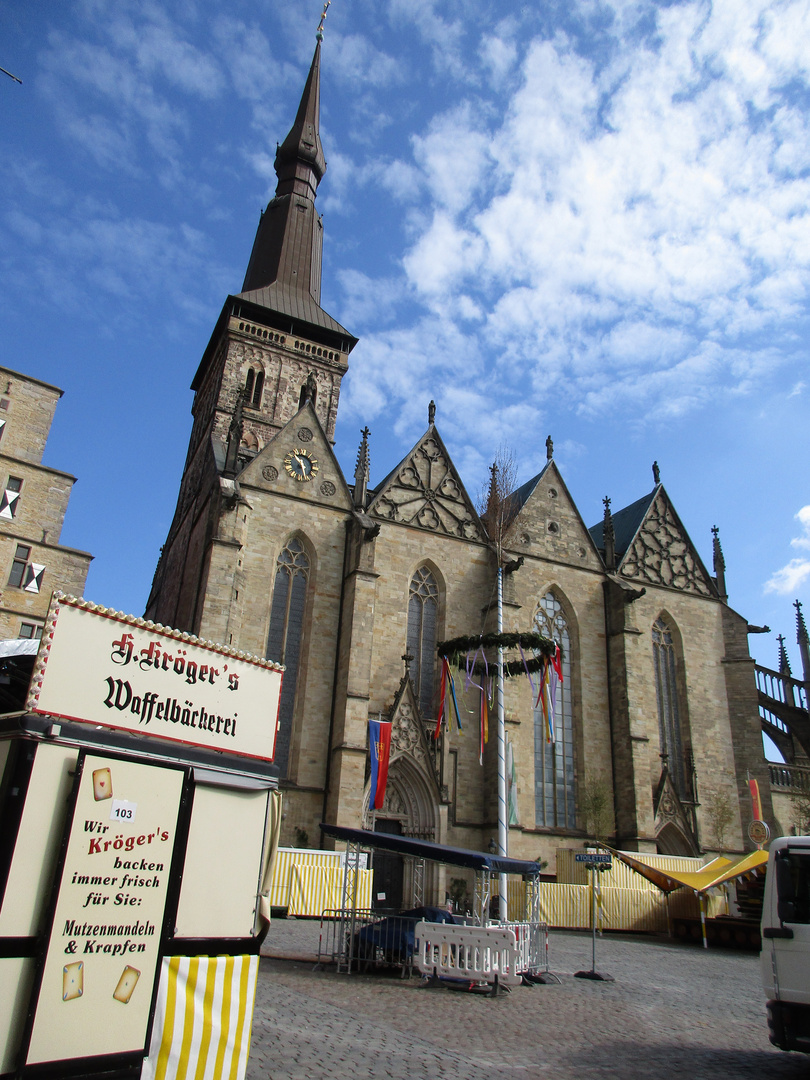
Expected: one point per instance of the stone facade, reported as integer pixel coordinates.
(272, 551)
(32, 509)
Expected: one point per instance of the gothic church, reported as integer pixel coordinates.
(351, 585)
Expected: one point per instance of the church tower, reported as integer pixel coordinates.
(273, 348)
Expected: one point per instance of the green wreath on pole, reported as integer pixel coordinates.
(456, 650)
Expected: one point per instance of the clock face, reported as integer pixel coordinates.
(301, 465)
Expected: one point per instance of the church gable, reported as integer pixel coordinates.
(409, 733)
(674, 822)
(299, 462)
(661, 552)
(549, 525)
(424, 490)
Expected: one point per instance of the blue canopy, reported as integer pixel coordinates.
(426, 849)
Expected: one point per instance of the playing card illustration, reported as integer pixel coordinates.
(72, 981)
(126, 984)
(102, 784)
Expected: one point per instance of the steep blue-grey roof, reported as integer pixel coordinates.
(626, 524)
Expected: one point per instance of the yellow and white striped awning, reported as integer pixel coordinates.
(203, 1018)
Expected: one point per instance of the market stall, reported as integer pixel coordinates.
(139, 806)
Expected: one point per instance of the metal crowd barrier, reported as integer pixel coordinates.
(531, 944)
(361, 939)
(358, 940)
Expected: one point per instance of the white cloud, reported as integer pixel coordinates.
(788, 580)
(803, 518)
(356, 60)
(627, 228)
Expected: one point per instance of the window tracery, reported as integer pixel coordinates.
(423, 618)
(285, 636)
(554, 790)
(669, 712)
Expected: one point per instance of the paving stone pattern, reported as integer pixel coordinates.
(673, 1011)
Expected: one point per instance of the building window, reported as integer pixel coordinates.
(254, 384)
(30, 630)
(423, 620)
(24, 574)
(286, 633)
(554, 791)
(669, 713)
(9, 502)
(19, 566)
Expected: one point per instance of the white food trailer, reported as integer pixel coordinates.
(138, 810)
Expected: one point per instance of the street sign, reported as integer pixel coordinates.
(758, 832)
(593, 858)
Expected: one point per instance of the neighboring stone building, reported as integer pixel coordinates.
(33, 503)
(351, 586)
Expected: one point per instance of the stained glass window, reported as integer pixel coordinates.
(423, 618)
(284, 638)
(554, 792)
(666, 690)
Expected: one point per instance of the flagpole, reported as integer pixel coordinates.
(503, 841)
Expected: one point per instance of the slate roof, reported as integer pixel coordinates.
(522, 494)
(299, 304)
(626, 524)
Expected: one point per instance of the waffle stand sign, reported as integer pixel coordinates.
(102, 667)
(95, 989)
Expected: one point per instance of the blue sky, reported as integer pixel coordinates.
(585, 219)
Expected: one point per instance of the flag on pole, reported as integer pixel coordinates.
(756, 802)
(511, 784)
(379, 739)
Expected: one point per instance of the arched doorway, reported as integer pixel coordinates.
(410, 809)
(671, 841)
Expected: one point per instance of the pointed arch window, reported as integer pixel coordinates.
(554, 791)
(669, 713)
(286, 633)
(423, 620)
(254, 384)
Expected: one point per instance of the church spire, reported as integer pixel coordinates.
(362, 472)
(719, 563)
(300, 162)
(609, 537)
(803, 641)
(286, 259)
(784, 660)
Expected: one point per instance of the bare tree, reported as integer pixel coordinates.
(719, 815)
(596, 804)
(496, 505)
(800, 813)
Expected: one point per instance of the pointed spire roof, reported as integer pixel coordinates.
(803, 641)
(300, 162)
(362, 471)
(284, 271)
(609, 535)
(784, 660)
(719, 563)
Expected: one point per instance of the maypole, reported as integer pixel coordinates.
(469, 654)
(503, 813)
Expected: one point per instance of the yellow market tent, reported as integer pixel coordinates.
(714, 873)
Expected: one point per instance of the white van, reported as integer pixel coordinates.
(785, 957)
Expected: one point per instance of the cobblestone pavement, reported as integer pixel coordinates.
(673, 1011)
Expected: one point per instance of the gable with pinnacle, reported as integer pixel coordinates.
(661, 552)
(298, 462)
(410, 734)
(425, 491)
